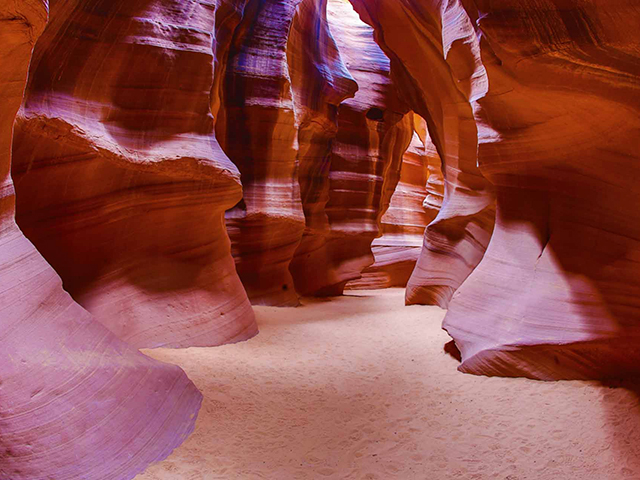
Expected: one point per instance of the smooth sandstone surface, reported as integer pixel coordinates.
(360, 388)
(411, 209)
(256, 128)
(549, 89)
(373, 131)
(558, 293)
(75, 402)
(318, 169)
(121, 183)
(320, 82)
(437, 69)
(506, 130)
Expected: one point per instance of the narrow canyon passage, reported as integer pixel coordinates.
(180, 175)
(359, 387)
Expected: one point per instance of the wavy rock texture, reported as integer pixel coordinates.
(553, 88)
(373, 132)
(398, 249)
(437, 68)
(257, 130)
(121, 183)
(435, 179)
(75, 402)
(320, 82)
(558, 293)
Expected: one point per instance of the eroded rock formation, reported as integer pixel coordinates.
(437, 69)
(558, 293)
(310, 159)
(121, 183)
(435, 179)
(257, 129)
(411, 209)
(320, 82)
(550, 90)
(532, 106)
(75, 402)
(373, 131)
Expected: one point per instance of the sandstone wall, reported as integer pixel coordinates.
(75, 402)
(121, 183)
(557, 294)
(373, 131)
(539, 98)
(413, 206)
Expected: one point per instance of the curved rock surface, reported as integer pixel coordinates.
(435, 179)
(550, 90)
(257, 130)
(373, 132)
(557, 294)
(410, 211)
(75, 402)
(320, 82)
(121, 183)
(437, 69)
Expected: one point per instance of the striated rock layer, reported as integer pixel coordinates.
(402, 226)
(435, 179)
(373, 131)
(320, 82)
(311, 160)
(557, 294)
(257, 130)
(121, 183)
(550, 90)
(75, 402)
(437, 68)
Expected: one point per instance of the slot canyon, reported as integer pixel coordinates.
(319, 239)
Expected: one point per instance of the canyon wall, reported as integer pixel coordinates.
(318, 161)
(75, 402)
(373, 131)
(256, 128)
(557, 294)
(411, 209)
(120, 182)
(492, 144)
(320, 83)
(540, 99)
(438, 71)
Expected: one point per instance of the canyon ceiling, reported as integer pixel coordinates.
(164, 164)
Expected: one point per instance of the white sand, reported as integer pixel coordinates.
(359, 388)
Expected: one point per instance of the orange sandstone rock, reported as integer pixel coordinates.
(320, 82)
(543, 97)
(373, 132)
(257, 130)
(437, 68)
(398, 249)
(557, 294)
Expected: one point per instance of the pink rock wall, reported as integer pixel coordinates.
(75, 402)
(121, 183)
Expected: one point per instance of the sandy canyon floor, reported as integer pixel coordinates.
(359, 387)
